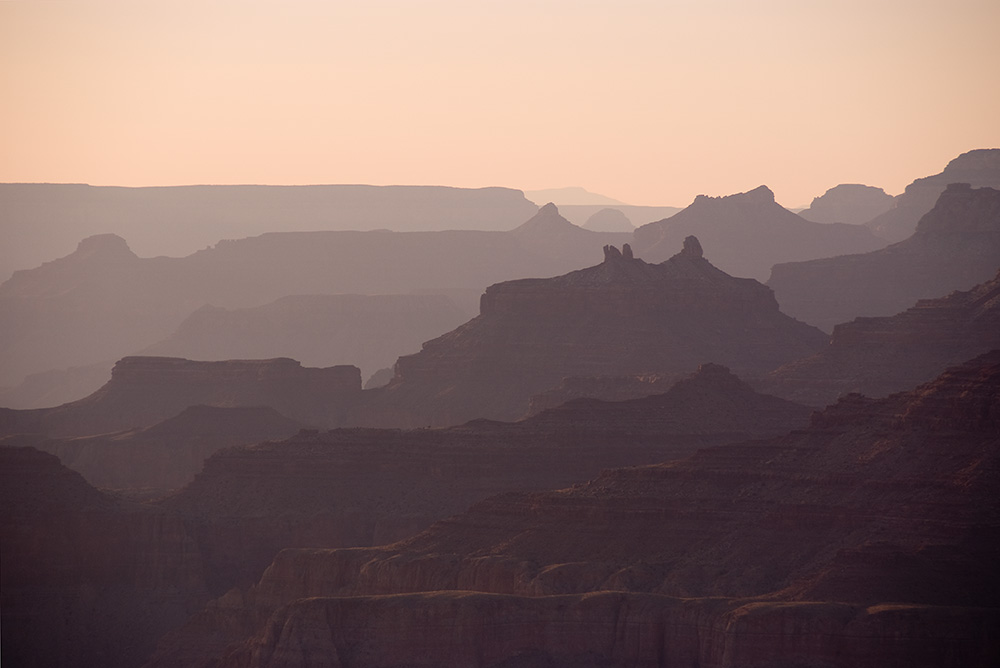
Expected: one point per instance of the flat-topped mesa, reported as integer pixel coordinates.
(146, 390)
(621, 317)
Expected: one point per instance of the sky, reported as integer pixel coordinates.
(648, 102)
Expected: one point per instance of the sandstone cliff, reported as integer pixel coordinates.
(622, 317)
(146, 390)
(956, 246)
(877, 356)
(867, 539)
(747, 233)
(979, 168)
(361, 487)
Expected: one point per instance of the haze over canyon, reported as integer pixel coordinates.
(392, 426)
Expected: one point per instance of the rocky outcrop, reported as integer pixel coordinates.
(547, 233)
(848, 203)
(878, 356)
(748, 233)
(146, 390)
(979, 168)
(167, 455)
(851, 542)
(86, 579)
(956, 246)
(362, 487)
(622, 317)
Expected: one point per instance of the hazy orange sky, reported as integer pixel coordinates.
(649, 102)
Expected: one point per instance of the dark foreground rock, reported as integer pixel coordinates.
(868, 539)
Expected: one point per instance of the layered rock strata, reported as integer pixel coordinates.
(869, 539)
(878, 356)
(361, 487)
(622, 317)
(956, 246)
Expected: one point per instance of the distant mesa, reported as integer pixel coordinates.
(749, 233)
(609, 220)
(146, 390)
(955, 247)
(979, 168)
(848, 203)
(101, 303)
(44, 221)
(621, 317)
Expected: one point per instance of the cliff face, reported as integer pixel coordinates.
(956, 246)
(979, 168)
(877, 356)
(747, 233)
(622, 317)
(146, 390)
(86, 579)
(362, 487)
(883, 506)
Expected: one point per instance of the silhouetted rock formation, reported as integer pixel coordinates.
(547, 233)
(609, 220)
(579, 214)
(366, 331)
(103, 303)
(956, 246)
(749, 232)
(868, 539)
(362, 487)
(146, 390)
(978, 168)
(848, 203)
(86, 579)
(45, 220)
(877, 356)
(166, 455)
(622, 317)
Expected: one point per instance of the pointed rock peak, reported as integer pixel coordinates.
(692, 247)
(759, 194)
(547, 218)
